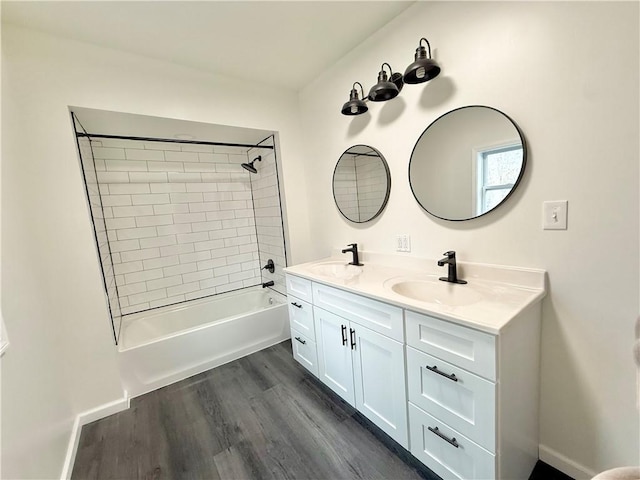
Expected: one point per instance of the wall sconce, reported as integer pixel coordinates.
(424, 68)
(355, 106)
(386, 88)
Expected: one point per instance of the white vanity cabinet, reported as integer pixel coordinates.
(473, 397)
(460, 395)
(360, 358)
(303, 336)
(359, 347)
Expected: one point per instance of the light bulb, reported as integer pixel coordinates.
(354, 109)
(421, 72)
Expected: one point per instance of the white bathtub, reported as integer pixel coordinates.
(169, 344)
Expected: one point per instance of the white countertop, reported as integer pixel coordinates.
(503, 292)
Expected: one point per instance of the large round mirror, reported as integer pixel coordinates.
(467, 162)
(361, 183)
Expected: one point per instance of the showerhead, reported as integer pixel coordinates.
(249, 166)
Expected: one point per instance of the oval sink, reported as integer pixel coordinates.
(436, 291)
(338, 270)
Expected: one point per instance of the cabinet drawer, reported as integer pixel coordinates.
(461, 458)
(304, 351)
(301, 316)
(459, 398)
(379, 317)
(299, 288)
(461, 346)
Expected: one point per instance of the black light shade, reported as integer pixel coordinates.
(355, 106)
(386, 90)
(424, 68)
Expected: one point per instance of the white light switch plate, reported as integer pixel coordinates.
(554, 215)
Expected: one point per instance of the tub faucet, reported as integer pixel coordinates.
(270, 283)
(354, 250)
(450, 260)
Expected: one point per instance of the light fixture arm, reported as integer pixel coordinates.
(361, 90)
(390, 69)
(428, 46)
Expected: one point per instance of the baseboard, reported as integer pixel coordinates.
(83, 419)
(564, 464)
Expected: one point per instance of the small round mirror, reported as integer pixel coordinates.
(467, 162)
(361, 183)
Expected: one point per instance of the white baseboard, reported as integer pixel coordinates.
(83, 419)
(564, 464)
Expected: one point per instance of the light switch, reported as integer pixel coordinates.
(554, 215)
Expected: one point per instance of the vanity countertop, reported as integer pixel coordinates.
(493, 297)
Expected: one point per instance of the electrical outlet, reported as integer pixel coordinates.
(403, 243)
(554, 215)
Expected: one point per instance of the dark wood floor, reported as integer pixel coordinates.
(260, 417)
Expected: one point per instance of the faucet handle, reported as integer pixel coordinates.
(450, 254)
(354, 245)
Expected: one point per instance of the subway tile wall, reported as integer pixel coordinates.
(360, 186)
(101, 235)
(268, 215)
(372, 186)
(180, 220)
(345, 188)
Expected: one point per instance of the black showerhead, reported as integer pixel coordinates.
(249, 166)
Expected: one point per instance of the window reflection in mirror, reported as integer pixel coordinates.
(497, 171)
(361, 183)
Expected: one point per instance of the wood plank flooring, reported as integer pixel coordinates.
(260, 417)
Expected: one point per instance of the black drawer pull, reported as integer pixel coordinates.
(353, 338)
(452, 441)
(434, 369)
(301, 341)
(297, 305)
(344, 334)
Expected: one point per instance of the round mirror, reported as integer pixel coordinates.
(361, 183)
(467, 162)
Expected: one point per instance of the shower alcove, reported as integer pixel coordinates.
(182, 232)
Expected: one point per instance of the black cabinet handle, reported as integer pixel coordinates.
(344, 334)
(452, 441)
(353, 338)
(297, 305)
(301, 341)
(434, 369)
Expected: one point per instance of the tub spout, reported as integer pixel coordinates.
(270, 283)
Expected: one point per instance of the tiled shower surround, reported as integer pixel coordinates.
(360, 186)
(185, 221)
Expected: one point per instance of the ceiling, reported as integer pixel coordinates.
(281, 43)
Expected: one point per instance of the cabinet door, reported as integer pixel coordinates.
(379, 378)
(335, 364)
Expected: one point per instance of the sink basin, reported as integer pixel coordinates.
(339, 270)
(432, 290)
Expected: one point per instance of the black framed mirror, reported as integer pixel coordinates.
(361, 183)
(467, 163)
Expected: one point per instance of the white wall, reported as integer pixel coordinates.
(62, 360)
(567, 73)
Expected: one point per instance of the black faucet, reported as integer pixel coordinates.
(354, 250)
(450, 260)
(270, 283)
(270, 266)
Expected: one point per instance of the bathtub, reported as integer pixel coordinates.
(169, 344)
